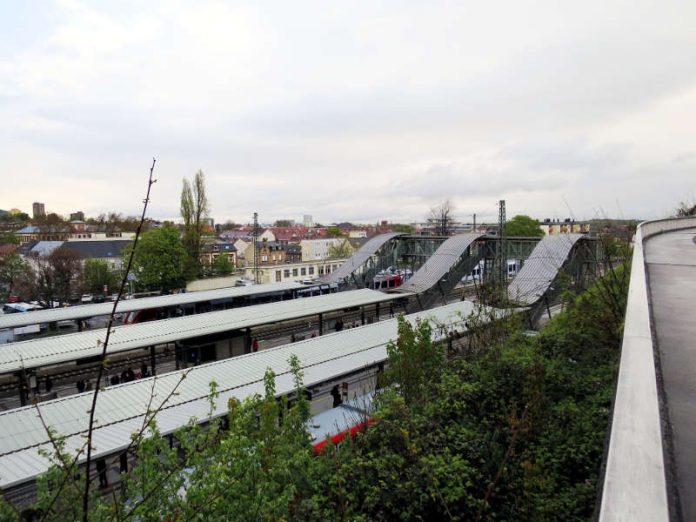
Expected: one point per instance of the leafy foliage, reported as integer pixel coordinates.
(340, 251)
(194, 211)
(523, 226)
(686, 209)
(12, 267)
(222, 265)
(160, 261)
(402, 227)
(98, 275)
(334, 231)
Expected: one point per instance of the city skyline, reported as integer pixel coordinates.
(362, 113)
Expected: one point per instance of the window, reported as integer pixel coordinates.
(321, 270)
(278, 276)
(294, 272)
(286, 273)
(303, 271)
(264, 258)
(311, 270)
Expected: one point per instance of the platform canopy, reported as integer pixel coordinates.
(62, 349)
(69, 313)
(121, 408)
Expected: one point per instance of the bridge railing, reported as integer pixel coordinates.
(635, 486)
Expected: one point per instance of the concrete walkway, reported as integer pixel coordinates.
(670, 260)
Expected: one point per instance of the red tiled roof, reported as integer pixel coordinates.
(7, 248)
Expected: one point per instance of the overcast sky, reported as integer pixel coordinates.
(350, 110)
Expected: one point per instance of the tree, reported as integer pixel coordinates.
(98, 275)
(12, 266)
(442, 216)
(194, 211)
(67, 272)
(341, 250)
(9, 237)
(414, 360)
(283, 223)
(222, 264)
(523, 226)
(50, 220)
(228, 225)
(334, 231)
(403, 228)
(161, 260)
(56, 276)
(686, 209)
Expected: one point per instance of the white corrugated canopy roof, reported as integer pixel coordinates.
(358, 259)
(120, 409)
(441, 262)
(541, 268)
(72, 347)
(131, 305)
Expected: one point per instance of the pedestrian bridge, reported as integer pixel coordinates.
(363, 262)
(541, 268)
(651, 460)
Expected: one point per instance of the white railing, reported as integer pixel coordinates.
(635, 487)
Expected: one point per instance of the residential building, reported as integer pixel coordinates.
(293, 254)
(318, 249)
(49, 233)
(552, 227)
(288, 235)
(241, 246)
(110, 250)
(270, 253)
(7, 249)
(211, 252)
(294, 271)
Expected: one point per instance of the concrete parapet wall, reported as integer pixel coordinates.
(634, 483)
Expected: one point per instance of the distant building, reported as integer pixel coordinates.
(77, 216)
(307, 221)
(293, 254)
(109, 250)
(38, 209)
(318, 249)
(211, 252)
(287, 235)
(7, 248)
(294, 271)
(241, 245)
(552, 227)
(270, 253)
(51, 233)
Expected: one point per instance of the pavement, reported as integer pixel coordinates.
(670, 260)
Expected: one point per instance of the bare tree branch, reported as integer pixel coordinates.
(103, 361)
